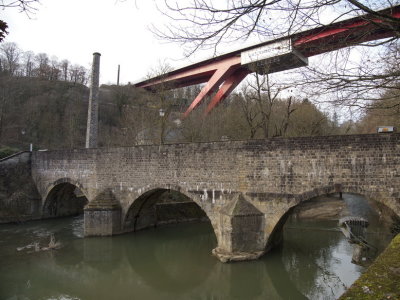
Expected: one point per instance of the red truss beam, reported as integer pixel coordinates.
(225, 69)
(225, 72)
(227, 87)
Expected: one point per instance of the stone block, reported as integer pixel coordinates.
(102, 216)
(241, 231)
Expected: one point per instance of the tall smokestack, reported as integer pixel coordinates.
(118, 75)
(92, 121)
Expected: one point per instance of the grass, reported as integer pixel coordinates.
(382, 279)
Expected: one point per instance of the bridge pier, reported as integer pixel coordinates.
(240, 231)
(102, 216)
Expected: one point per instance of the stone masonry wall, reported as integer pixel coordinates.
(19, 198)
(273, 174)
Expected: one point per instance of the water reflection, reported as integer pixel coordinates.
(167, 263)
(171, 255)
(319, 258)
(281, 278)
(173, 263)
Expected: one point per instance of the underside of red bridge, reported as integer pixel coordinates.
(225, 72)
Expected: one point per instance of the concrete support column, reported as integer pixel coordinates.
(240, 231)
(102, 215)
(92, 121)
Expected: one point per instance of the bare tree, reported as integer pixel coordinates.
(357, 85)
(282, 128)
(162, 92)
(54, 68)
(17, 63)
(43, 67)
(250, 112)
(75, 74)
(26, 6)
(264, 93)
(28, 62)
(23, 5)
(11, 55)
(82, 75)
(206, 23)
(308, 120)
(64, 69)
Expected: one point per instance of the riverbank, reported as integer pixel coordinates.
(382, 279)
(321, 208)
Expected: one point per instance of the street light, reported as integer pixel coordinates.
(30, 145)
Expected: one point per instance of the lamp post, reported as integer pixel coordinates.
(162, 112)
(23, 132)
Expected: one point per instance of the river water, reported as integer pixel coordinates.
(175, 262)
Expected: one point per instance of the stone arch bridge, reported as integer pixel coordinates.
(246, 188)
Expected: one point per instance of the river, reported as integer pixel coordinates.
(175, 262)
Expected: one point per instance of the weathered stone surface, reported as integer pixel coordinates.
(241, 231)
(102, 222)
(104, 201)
(103, 215)
(273, 175)
(240, 207)
(19, 198)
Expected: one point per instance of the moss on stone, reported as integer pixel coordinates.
(382, 279)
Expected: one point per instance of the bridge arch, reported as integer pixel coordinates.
(381, 204)
(145, 210)
(64, 197)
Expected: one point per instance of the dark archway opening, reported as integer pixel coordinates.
(382, 220)
(329, 209)
(65, 199)
(323, 213)
(315, 252)
(161, 207)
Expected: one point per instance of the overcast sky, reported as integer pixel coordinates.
(74, 29)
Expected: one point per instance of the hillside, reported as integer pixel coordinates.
(51, 114)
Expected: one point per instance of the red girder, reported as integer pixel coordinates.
(226, 72)
(227, 87)
(342, 34)
(194, 72)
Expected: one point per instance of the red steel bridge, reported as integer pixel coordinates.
(225, 72)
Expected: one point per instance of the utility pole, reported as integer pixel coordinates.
(93, 109)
